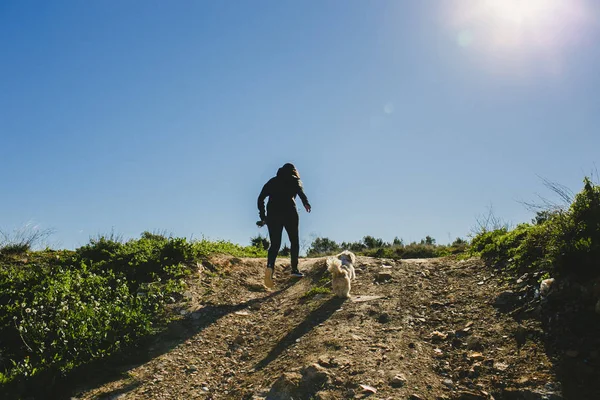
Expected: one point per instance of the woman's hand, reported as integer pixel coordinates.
(307, 208)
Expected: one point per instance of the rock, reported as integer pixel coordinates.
(437, 336)
(448, 383)
(285, 387)
(314, 378)
(474, 371)
(526, 394)
(383, 318)
(500, 366)
(398, 380)
(505, 298)
(546, 286)
(468, 395)
(327, 362)
(414, 397)
(476, 356)
(474, 343)
(239, 340)
(368, 389)
(384, 276)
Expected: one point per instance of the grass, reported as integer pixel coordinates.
(315, 290)
(60, 308)
(562, 241)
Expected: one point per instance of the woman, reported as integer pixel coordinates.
(282, 213)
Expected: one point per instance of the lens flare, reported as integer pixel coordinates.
(511, 32)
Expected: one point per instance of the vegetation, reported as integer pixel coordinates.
(375, 247)
(60, 309)
(315, 290)
(564, 241)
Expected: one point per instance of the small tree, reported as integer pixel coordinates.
(322, 246)
(286, 251)
(398, 242)
(372, 243)
(428, 240)
(260, 242)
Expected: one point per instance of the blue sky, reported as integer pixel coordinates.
(404, 118)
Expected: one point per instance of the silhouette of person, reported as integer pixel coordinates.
(282, 213)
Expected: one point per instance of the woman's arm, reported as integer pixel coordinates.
(303, 197)
(261, 201)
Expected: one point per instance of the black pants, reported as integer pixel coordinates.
(276, 222)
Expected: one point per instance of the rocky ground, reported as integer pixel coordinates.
(413, 329)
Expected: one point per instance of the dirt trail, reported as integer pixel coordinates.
(431, 330)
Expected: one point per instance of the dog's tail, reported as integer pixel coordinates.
(334, 265)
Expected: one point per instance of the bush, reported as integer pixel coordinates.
(565, 241)
(260, 242)
(373, 247)
(322, 246)
(60, 309)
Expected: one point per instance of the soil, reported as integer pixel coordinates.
(412, 329)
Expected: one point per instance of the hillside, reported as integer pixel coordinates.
(418, 329)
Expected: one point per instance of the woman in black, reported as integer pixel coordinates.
(282, 213)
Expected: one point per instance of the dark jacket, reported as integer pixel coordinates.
(282, 191)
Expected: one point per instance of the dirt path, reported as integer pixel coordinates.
(430, 330)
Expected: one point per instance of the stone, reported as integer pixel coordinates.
(546, 286)
(368, 389)
(285, 387)
(476, 356)
(383, 318)
(474, 343)
(468, 395)
(363, 298)
(527, 394)
(437, 336)
(314, 377)
(448, 383)
(384, 276)
(505, 298)
(327, 362)
(398, 380)
(500, 366)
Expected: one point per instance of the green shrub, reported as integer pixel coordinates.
(60, 309)
(566, 242)
(59, 316)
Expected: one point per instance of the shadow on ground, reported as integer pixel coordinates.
(571, 339)
(316, 317)
(98, 372)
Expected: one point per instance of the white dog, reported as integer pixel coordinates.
(340, 281)
(348, 260)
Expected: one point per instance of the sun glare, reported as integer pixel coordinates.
(514, 30)
(520, 12)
